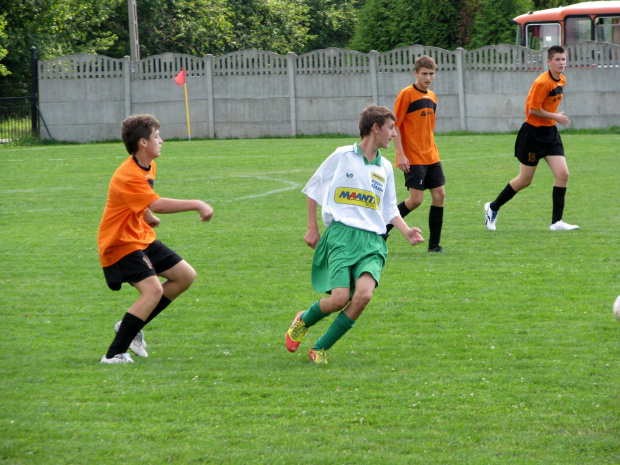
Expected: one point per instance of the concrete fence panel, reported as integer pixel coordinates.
(255, 93)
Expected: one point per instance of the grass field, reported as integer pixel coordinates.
(502, 350)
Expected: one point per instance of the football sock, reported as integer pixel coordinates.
(130, 327)
(160, 307)
(435, 222)
(559, 193)
(339, 327)
(313, 315)
(403, 210)
(504, 196)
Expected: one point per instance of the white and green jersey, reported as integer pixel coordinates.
(353, 191)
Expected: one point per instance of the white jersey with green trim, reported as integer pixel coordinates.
(353, 191)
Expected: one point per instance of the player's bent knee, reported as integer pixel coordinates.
(150, 288)
(182, 273)
(338, 300)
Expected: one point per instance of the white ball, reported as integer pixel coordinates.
(617, 308)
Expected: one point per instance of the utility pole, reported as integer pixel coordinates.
(134, 43)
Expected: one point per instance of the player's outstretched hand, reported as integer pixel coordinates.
(413, 236)
(205, 211)
(312, 238)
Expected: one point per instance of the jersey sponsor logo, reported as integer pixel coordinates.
(378, 177)
(361, 198)
(349, 175)
(377, 181)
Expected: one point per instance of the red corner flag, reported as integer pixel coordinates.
(180, 79)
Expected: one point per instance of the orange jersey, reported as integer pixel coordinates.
(415, 113)
(545, 94)
(122, 229)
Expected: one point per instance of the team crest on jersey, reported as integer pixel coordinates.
(357, 197)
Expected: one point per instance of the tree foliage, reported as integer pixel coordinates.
(493, 22)
(194, 27)
(331, 23)
(3, 51)
(384, 25)
(55, 28)
(200, 27)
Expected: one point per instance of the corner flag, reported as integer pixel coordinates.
(180, 80)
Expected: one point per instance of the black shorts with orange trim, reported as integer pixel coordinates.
(141, 264)
(534, 143)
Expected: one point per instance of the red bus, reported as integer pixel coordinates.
(572, 24)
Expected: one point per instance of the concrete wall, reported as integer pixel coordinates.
(252, 94)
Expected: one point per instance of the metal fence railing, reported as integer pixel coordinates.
(15, 118)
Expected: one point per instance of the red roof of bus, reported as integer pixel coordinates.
(581, 9)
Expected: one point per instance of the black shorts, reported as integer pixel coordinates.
(534, 143)
(421, 177)
(141, 264)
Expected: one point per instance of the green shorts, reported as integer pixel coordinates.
(343, 254)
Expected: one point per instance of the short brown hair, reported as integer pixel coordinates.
(424, 62)
(553, 50)
(374, 114)
(137, 127)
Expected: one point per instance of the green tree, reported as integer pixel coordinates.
(279, 26)
(493, 23)
(195, 27)
(331, 23)
(545, 4)
(55, 28)
(3, 51)
(384, 25)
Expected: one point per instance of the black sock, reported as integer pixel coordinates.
(403, 210)
(559, 193)
(130, 327)
(504, 196)
(435, 222)
(160, 307)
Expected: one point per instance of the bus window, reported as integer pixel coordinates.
(608, 29)
(540, 36)
(578, 29)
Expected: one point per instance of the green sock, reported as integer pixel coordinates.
(339, 327)
(313, 315)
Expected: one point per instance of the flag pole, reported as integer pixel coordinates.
(181, 81)
(189, 132)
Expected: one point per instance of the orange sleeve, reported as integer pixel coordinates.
(400, 107)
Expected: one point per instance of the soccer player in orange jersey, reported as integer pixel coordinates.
(539, 138)
(128, 249)
(416, 153)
